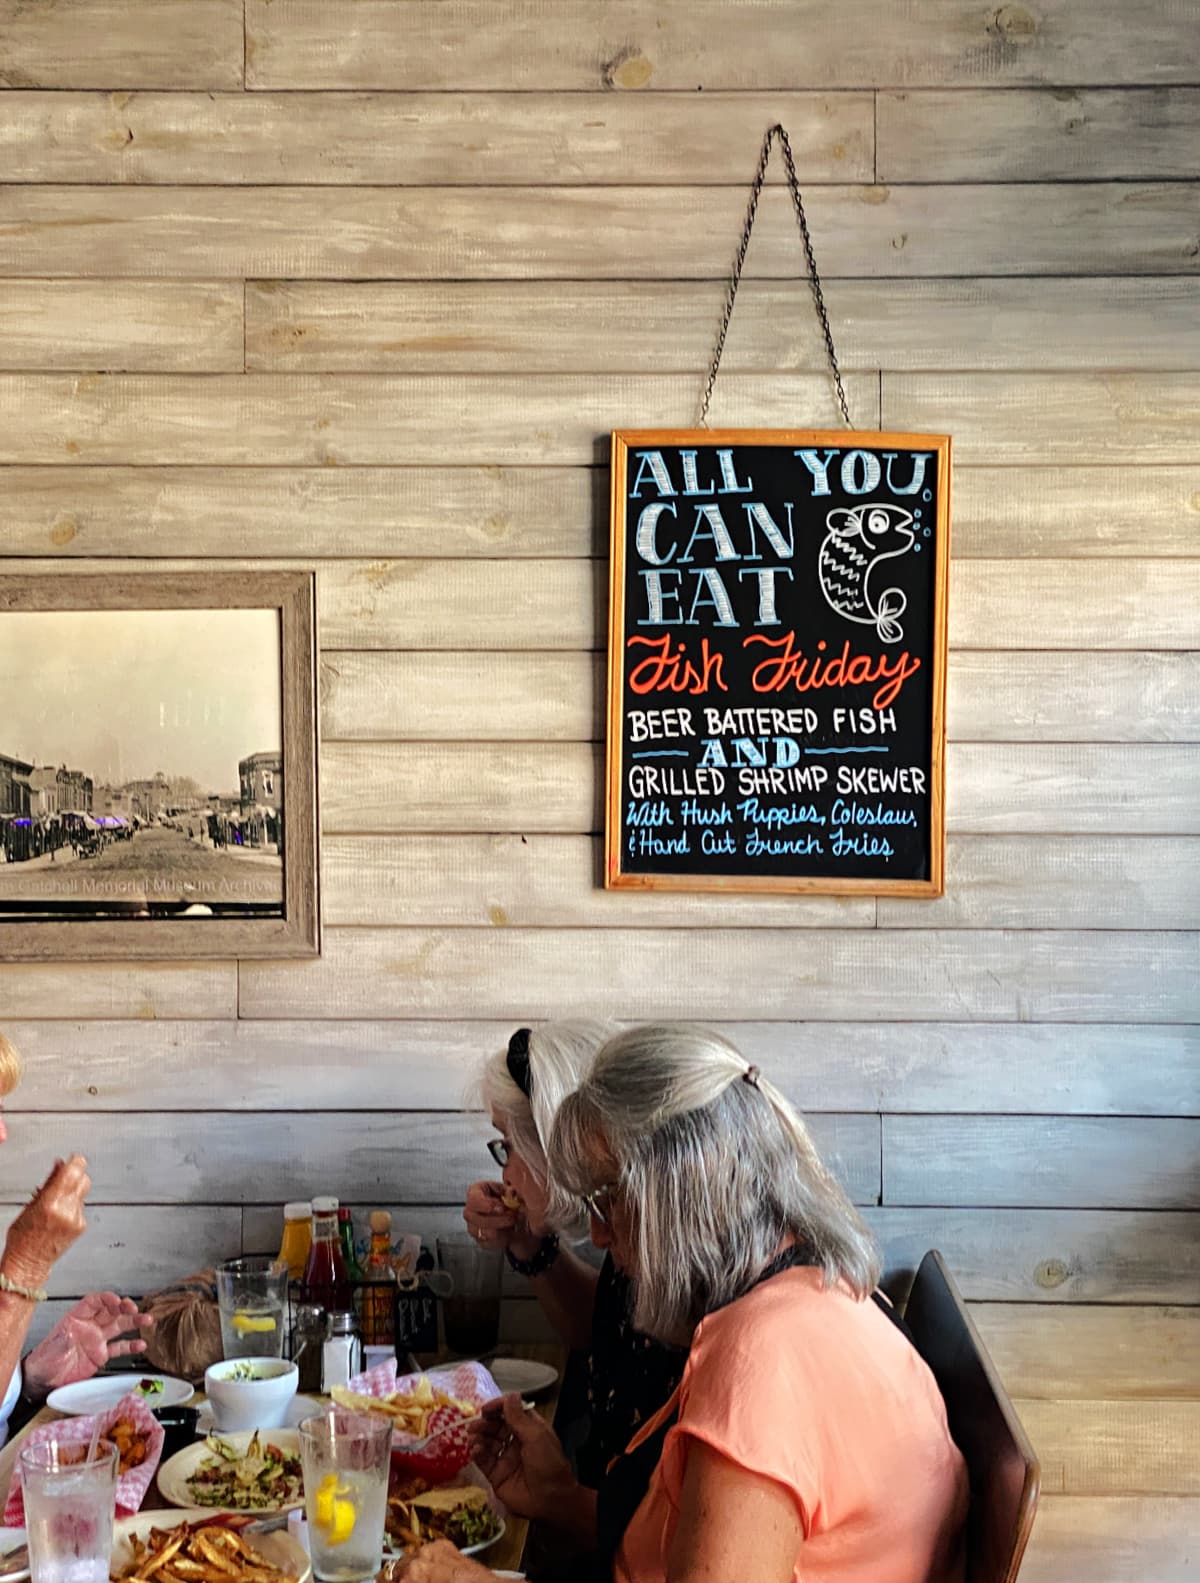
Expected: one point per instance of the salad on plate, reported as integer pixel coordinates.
(256, 1478)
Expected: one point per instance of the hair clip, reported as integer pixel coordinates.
(750, 1075)
(517, 1061)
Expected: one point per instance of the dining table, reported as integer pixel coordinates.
(506, 1554)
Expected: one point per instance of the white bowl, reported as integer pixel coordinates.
(258, 1403)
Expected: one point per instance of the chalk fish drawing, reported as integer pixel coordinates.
(859, 538)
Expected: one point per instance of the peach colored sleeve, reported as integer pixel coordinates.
(752, 1402)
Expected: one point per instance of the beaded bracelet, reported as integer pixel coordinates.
(542, 1260)
(31, 1294)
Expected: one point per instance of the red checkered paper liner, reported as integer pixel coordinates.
(131, 1486)
(447, 1447)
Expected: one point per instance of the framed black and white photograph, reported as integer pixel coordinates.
(158, 782)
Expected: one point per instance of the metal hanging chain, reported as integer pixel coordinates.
(814, 278)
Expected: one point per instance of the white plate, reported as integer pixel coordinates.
(392, 1554)
(11, 1539)
(175, 1472)
(299, 1408)
(522, 1375)
(279, 1547)
(103, 1391)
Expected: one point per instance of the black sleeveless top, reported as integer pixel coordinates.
(629, 1377)
(628, 1477)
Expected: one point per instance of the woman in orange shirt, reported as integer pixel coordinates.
(807, 1438)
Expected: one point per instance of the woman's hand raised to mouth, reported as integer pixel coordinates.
(495, 1223)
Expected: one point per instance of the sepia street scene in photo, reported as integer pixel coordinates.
(141, 764)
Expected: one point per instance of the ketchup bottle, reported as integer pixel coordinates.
(326, 1282)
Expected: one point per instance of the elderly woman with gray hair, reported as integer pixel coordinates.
(629, 1375)
(807, 1437)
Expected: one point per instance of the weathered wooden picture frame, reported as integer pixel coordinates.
(158, 766)
(714, 602)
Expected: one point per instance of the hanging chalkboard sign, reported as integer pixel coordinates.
(777, 661)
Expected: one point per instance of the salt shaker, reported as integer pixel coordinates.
(341, 1355)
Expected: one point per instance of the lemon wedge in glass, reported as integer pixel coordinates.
(252, 1324)
(334, 1514)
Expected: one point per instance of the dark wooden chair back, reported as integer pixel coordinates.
(1002, 1464)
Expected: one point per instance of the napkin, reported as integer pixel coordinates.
(447, 1447)
(131, 1486)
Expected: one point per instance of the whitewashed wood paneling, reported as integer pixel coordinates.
(1074, 1162)
(1048, 1255)
(246, 1158)
(143, 325)
(135, 1249)
(1089, 1353)
(840, 974)
(538, 881)
(652, 326)
(1081, 135)
(964, 1067)
(243, 1158)
(560, 605)
(1092, 882)
(549, 881)
(1106, 419)
(274, 512)
(636, 44)
(122, 44)
(552, 419)
(331, 420)
(1112, 696)
(1115, 1448)
(454, 246)
(545, 512)
(426, 139)
(1069, 510)
(1037, 696)
(541, 233)
(1117, 1539)
(993, 788)
(134, 990)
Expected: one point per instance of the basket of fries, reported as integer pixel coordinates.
(202, 1550)
(133, 1429)
(431, 1413)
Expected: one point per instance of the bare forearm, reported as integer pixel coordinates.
(15, 1316)
(573, 1511)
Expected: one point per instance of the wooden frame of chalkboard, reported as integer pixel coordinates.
(777, 661)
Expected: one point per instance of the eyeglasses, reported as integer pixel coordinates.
(598, 1203)
(500, 1151)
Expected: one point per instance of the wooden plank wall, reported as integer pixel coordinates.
(363, 287)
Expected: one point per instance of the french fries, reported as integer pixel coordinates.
(408, 1410)
(188, 1554)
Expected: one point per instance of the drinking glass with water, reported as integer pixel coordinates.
(347, 1458)
(252, 1297)
(69, 1492)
